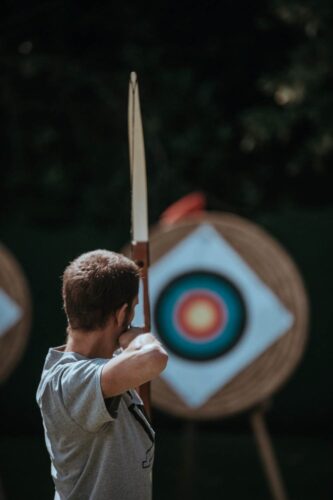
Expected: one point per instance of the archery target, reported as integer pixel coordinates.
(229, 305)
(200, 315)
(15, 312)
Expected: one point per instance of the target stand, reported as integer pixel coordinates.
(230, 306)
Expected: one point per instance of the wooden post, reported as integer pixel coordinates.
(267, 454)
(187, 477)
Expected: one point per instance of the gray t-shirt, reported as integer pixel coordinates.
(99, 449)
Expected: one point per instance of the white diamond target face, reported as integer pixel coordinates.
(200, 315)
(212, 312)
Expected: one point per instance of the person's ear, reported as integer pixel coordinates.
(120, 314)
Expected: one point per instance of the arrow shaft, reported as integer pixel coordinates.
(140, 255)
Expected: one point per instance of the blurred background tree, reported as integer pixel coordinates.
(239, 93)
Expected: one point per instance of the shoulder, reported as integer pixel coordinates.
(71, 385)
(67, 370)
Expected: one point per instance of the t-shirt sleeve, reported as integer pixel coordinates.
(82, 394)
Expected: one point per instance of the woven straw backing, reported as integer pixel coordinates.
(275, 268)
(14, 284)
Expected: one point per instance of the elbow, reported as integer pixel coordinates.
(159, 359)
(164, 357)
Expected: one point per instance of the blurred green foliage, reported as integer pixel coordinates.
(236, 102)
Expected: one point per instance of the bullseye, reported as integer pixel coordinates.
(200, 315)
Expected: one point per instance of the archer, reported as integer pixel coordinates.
(100, 440)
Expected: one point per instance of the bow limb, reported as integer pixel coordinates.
(140, 238)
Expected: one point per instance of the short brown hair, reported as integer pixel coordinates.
(95, 285)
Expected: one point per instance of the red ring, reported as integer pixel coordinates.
(187, 306)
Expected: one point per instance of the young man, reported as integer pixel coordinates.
(100, 441)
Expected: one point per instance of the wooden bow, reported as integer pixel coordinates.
(140, 236)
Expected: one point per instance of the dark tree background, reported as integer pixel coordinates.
(237, 102)
(240, 93)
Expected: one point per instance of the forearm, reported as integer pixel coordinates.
(141, 361)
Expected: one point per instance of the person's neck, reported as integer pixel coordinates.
(93, 343)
